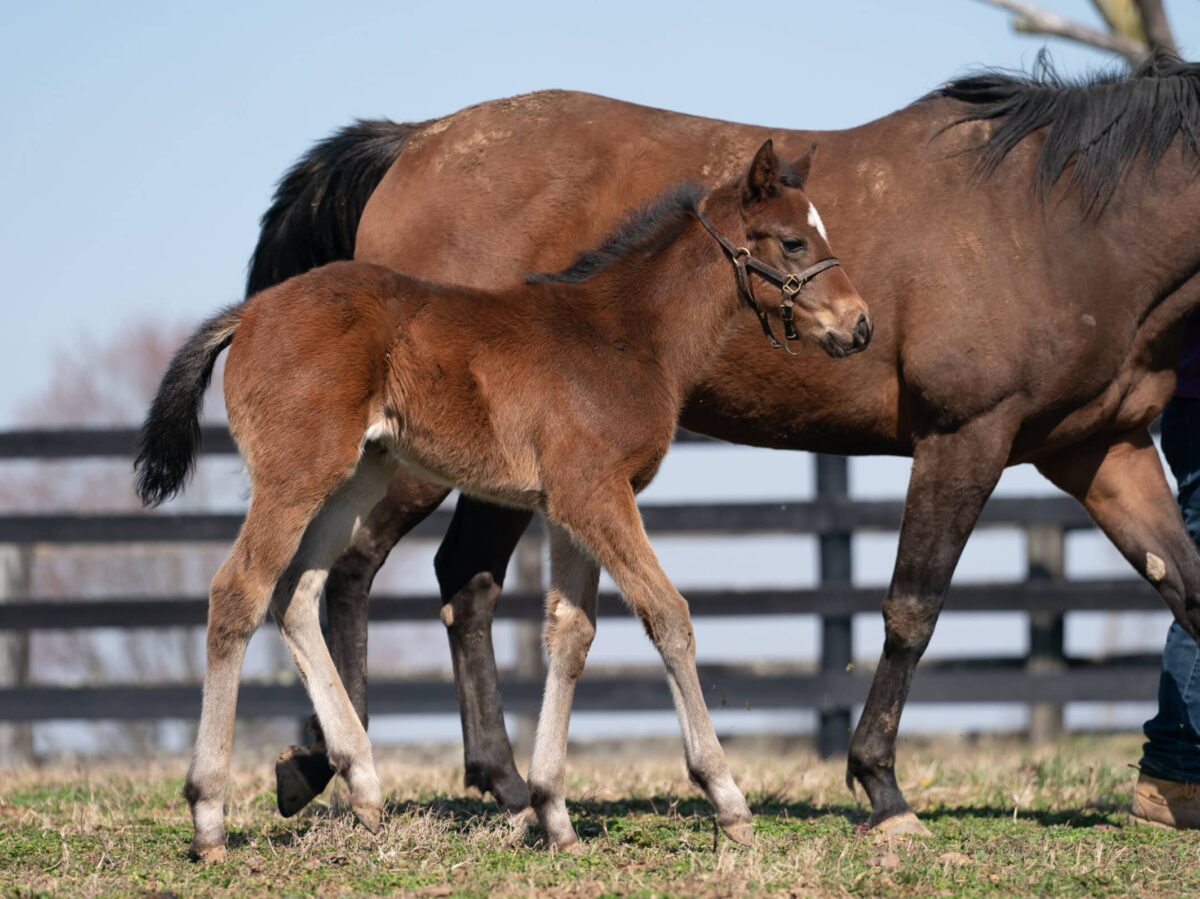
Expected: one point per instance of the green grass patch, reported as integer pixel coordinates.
(1006, 821)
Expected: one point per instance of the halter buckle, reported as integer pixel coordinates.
(792, 285)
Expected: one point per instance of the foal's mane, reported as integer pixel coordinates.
(644, 231)
(1103, 123)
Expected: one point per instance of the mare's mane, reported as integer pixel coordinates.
(1102, 124)
(645, 231)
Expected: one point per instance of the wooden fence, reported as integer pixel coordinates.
(1045, 679)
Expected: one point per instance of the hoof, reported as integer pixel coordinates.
(301, 775)
(569, 845)
(906, 824)
(740, 832)
(522, 819)
(208, 855)
(370, 817)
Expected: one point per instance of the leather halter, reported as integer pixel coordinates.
(789, 284)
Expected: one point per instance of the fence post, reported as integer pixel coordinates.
(16, 740)
(531, 661)
(837, 651)
(1046, 554)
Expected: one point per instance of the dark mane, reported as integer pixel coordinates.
(1102, 124)
(646, 230)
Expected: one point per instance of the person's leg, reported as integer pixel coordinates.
(1167, 791)
(1172, 749)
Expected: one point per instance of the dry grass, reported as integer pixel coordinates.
(1006, 820)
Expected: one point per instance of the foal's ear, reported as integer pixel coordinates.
(763, 177)
(797, 173)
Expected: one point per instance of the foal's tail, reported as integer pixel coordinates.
(168, 440)
(314, 215)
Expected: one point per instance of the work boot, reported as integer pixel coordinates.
(1167, 803)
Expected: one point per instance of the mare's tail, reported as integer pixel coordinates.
(168, 440)
(313, 218)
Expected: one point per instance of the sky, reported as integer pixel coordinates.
(141, 141)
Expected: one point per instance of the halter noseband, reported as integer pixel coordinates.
(789, 284)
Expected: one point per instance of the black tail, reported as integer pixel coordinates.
(314, 216)
(168, 441)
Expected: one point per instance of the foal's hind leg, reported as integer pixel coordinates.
(302, 773)
(1121, 484)
(570, 627)
(952, 477)
(607, 524)
(295, 606)
(241, 591)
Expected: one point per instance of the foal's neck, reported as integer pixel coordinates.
(682, 299)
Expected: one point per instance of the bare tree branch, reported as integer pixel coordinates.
(1031, 19)
(1158, 29)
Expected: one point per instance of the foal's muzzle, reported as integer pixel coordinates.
(857, 340)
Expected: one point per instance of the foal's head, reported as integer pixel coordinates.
(779, 225)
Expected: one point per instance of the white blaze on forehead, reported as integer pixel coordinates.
(814, 221)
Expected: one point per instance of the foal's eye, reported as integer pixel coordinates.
(792, 244)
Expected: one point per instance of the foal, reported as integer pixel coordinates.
(564, 402)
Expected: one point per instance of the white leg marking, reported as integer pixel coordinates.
(1156, 568)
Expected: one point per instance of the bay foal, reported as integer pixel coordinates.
(564, 402)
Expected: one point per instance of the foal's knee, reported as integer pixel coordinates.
(669, 627)
(569, 635)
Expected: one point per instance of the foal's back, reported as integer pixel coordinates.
(466, 387)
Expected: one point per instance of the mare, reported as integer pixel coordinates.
(1030, 248)
(560, 395)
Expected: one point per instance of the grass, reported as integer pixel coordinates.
(1006, 821)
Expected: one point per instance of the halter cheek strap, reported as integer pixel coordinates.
(789, 284)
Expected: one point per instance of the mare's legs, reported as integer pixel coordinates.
(570, 627)
(607, 524)
(470, 566)
(301, 773)
(1120, 482)
(952, 477)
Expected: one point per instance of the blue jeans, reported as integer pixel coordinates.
(1172, 749)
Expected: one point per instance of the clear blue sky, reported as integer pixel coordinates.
(140, 141)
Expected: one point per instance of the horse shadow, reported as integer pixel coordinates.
(592, 816)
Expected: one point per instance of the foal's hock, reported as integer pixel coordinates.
(565, 402)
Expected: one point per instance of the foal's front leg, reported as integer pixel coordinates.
(607, 523)
(570, 627)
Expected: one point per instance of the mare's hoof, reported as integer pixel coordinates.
(741, 832)
(301, 775)
(208, 855)
(522, 819)
(369, 816)
(906, 824)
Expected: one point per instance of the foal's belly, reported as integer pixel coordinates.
(480, 468)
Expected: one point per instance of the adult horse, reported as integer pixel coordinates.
(1029, 249)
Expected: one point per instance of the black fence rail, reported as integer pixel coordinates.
(1045, 679)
